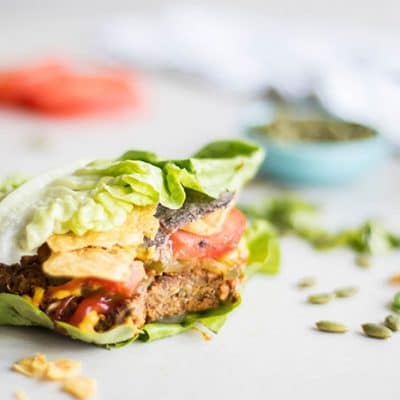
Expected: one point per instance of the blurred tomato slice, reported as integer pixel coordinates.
(78, 93)
(20, 84)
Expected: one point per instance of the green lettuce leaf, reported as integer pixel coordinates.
(16, 311)
(119, 336)
(100, 195)
(11, 183)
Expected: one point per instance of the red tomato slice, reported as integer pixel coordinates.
(18, 85)
(187, 245)
(76, 93)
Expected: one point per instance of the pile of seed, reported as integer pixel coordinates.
(314, 130)
(323, 298)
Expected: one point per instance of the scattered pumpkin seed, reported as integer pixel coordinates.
(307, 282)
(393, 322)
(346, 291)
(331, 326)
(363, 261)
(377, 331)
(321, 298)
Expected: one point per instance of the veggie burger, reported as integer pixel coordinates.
(135, 247)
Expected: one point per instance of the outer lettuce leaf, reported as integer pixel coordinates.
(16, 211)
(118, 336)
(11, 183)
(15, 310)
(99, 196)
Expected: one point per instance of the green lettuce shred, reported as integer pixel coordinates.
(291, 215)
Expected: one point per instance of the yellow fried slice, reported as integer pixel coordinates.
(62, 369)
(34, 366)
(208, 225)
(112, 264)
(80, 387)
(21, 395)
(139, 223)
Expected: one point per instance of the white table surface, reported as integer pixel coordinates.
(268, 348)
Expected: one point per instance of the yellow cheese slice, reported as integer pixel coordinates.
(208, 225)
(139, 223)
(89, 321)
(112, 264)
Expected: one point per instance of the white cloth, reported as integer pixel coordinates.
(355, 75)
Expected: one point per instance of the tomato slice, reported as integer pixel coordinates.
(78, 93)
(97, 302)
(186, 245)
(19, 85)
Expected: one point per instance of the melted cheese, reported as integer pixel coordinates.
(89, 321)
(62, 293)
(208, 225)
(37, 297)
(139, 223)
(112, 264)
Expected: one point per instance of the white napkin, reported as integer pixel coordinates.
(355, 75)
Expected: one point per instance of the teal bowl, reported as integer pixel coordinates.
(319, 163)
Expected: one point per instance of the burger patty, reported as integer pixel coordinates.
(167, 295)
(22, 278)
(195, 290)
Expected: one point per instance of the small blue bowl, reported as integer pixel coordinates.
(313, 162)
(319, 163)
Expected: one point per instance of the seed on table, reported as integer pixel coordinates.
(376, 331)
(331, 326)
(321, 298)
(307, 282)
(393, 322)
(346, 291)
(363, 261)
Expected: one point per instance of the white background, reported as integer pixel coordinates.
(268, 348)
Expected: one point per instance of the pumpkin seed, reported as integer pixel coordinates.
(393, 322)
(307, 282)
(331, 326)
(346, 291)
(377, 331)
(321, 298)
(363, 261)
